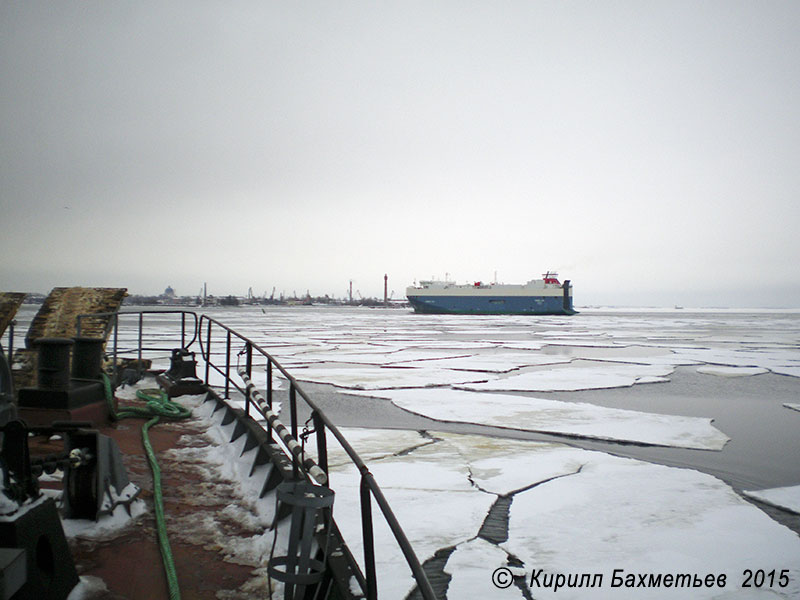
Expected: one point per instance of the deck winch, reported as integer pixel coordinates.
(34, 551)
(97, 486)
(95, 481)
(31, 535)
(181, 377)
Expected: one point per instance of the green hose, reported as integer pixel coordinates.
(157, 405)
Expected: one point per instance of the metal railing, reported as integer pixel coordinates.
(203, 331)
(139, 347)
(369, 486)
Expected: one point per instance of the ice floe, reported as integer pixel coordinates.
(372, 444)
(520, 344)
(462, 345)
(380, 356)
(470, 576)
(793, 371)
(784, 361)
(574, 377)
(430, 495)
(500, 363)
(504, 467)
(636, 354)
(643, 518)
(578, 419)
(787, 498)
(366, 378)
(731, 371)
(365, 358)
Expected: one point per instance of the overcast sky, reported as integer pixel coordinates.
(648, 151)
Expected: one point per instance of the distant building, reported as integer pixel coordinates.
(169, 293)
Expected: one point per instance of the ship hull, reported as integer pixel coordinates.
(491, 305)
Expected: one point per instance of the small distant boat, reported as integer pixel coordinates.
(546, 296)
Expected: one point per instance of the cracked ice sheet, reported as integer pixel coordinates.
(371, 444)
(430, 494)
(495, 465)
(625, 514)
(574, 378)
(503, 466)
(613, 513)
(553, 416)
(371, 378)
(787, 498)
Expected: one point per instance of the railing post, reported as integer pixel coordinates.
(322, 445)
(293, 413)
(11, 342)
(116, 338)
(249, 368)
(269, 394)
(141, 334)
(369, 541)
(183, 330)
(208, 353)
(228, 365)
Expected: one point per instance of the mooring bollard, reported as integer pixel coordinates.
(87, 358)
(53, 363)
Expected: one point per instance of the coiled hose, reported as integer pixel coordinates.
(157, 405)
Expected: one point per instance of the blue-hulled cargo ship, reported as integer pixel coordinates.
(546, 296)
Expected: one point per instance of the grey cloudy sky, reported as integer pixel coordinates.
(646, 150)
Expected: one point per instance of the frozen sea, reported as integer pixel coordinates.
(637, 443)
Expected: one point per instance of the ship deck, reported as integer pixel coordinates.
(126, 557)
